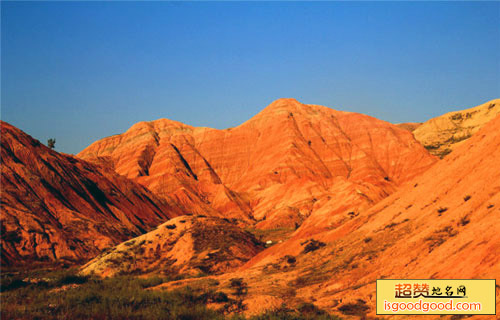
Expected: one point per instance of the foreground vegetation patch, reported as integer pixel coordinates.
(64, 294)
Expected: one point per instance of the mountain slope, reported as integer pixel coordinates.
(186, 245)
(57, 207)
(443, 134)
(273, 170)
(444, 224)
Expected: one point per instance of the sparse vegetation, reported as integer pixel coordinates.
(240, 290)
(130, 243)
(456, 139)
(443, 153)
(290, 259)
(80, 297)
(352, 214)
(308, 279)
(393, 224)
(464, 221)
(64, 294)
(312, 245)
(358, 308)
(440, 236)
(430, 147)
(305, 311)
(442, 209)
(467, 198)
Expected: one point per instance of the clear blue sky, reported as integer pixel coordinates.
(80, 71)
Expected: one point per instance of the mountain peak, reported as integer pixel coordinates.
(283, 104)
(287, 156)
(285, 107)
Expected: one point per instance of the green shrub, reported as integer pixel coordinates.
(313, 245)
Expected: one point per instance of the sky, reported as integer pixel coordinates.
(81, 71)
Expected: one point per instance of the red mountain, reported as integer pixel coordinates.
(274, 170)
(58, 207)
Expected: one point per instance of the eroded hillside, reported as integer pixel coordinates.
(443, 134)
(274, 170)
(183, 246)
(443, 224)
(56, 207)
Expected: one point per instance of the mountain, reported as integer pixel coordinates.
(186, 245)
(272, 171)
(443, 134)
(56, 207)
(409, 126)
(443, 224)
(340, 199)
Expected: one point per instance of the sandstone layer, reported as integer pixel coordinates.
(443, 134)
(274, 170)
(56, 207)
(443, 224)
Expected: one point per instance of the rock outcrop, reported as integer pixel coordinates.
(56, 207)
(443, 134)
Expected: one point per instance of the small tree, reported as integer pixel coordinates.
(240, 289)
(51, 143)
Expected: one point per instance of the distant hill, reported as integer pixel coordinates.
(443, 134)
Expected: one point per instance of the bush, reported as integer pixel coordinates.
(313, 245)
(72, 279)
(240, 289)
(51, 143)
(358, 308)
(441, 209)
(239, 286)
(290, 259)
(464, 220)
